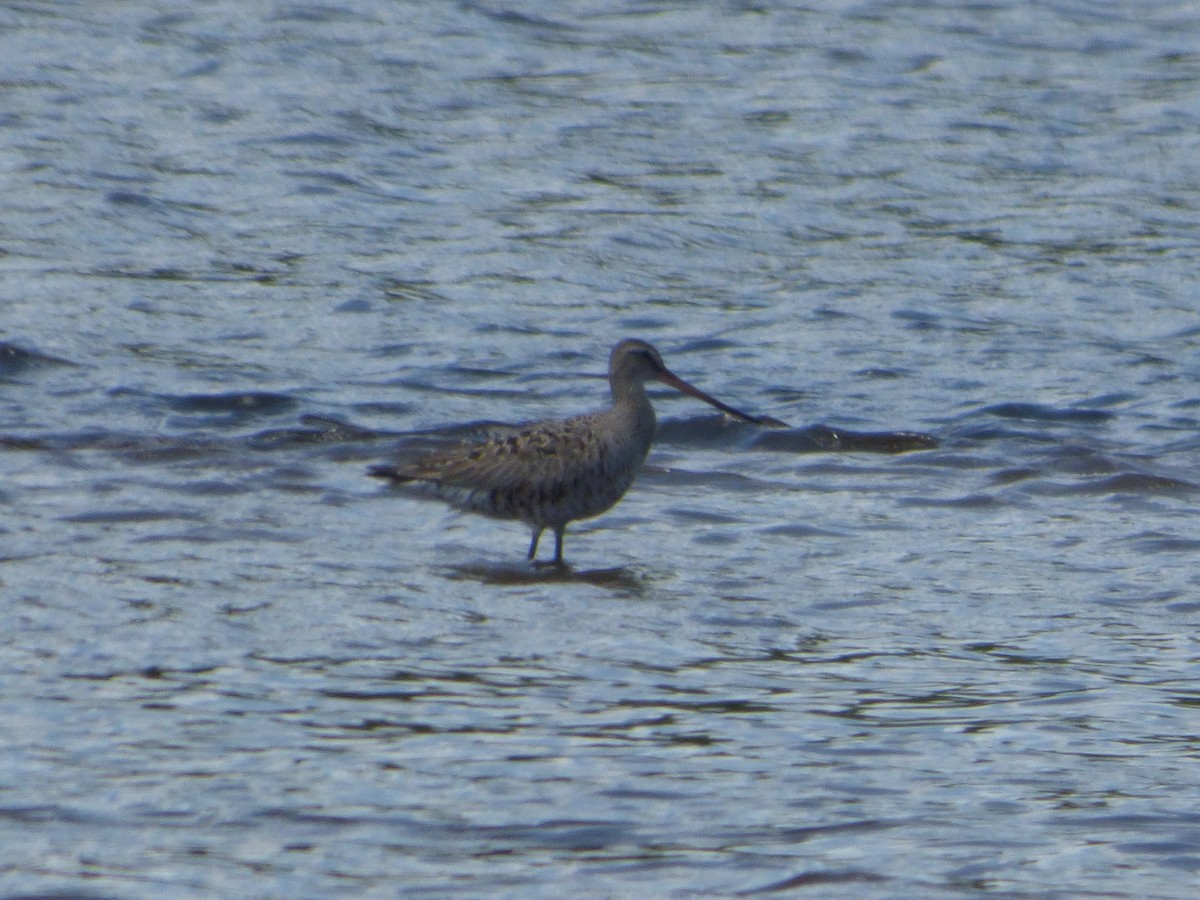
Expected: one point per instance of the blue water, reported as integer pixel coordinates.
(247, 250)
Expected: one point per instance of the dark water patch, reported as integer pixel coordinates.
(126, 516)
(133, 446)
(1123, 598)
(624, 729)
(218, 535)
(242, 271)
(716, 539)
(1120, 827)
(629, 793)
(559, 29)
(1186, 607)
(379, 696)
(572, 835)
(149, 448)
(704, 345)
(805, 833)
(321, 13)
(881, 374)
(577, 836)
(214, 275)
(240, 403)
(700, 516)
(918, 320)
(150, 672)
(1157, 542)
(130, 198)
(707, 430)
(1081, 460)
(212, 488)
(1151, 483)
(799, 531)
(474, 373)
(733, 706)
(397, 727)
(332, 181)
(212, 410)
(1175, 848)
(17, 442)
(386, 408)
(644, 323)
(315, 430)
(968, 501)
(311, 138)
(1135, 483)
(617, 579)
(1015, 475)
(823, 439)
(15, 359)
(831, 313)
(50, 814)
(1012, 656)
(1190, 699)
(396, 289)
(1116, 398)
(787, 396)
(1037, 412)
(507, 329)
(816, 880)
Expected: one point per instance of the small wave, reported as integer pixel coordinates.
(617, 579)
(124, 516)
(313, 430)
(1038, 412)
(1139, 483)
(823, 439)
(816, 879)
(800, 531)
(18, 442)
(237, 402)
(970, 501)
(14, 359)
(706, 430)
(1158, 542)
(1124, 483)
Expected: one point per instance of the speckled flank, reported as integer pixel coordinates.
(553, 473)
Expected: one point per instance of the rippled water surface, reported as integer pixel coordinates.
(247, 250)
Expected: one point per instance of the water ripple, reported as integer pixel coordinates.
(935, 638)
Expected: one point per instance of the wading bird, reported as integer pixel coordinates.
(548, 474)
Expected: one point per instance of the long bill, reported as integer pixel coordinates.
(673, 380)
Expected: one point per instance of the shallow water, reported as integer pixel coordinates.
(248, 251)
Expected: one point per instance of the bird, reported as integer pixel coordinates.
(548, 474)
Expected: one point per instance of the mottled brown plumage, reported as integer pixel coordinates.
(550, 473)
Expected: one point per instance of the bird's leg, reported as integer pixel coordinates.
(537, 533)
(558, 541)
(557, 562)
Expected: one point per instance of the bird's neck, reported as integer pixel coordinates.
(632, 408)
